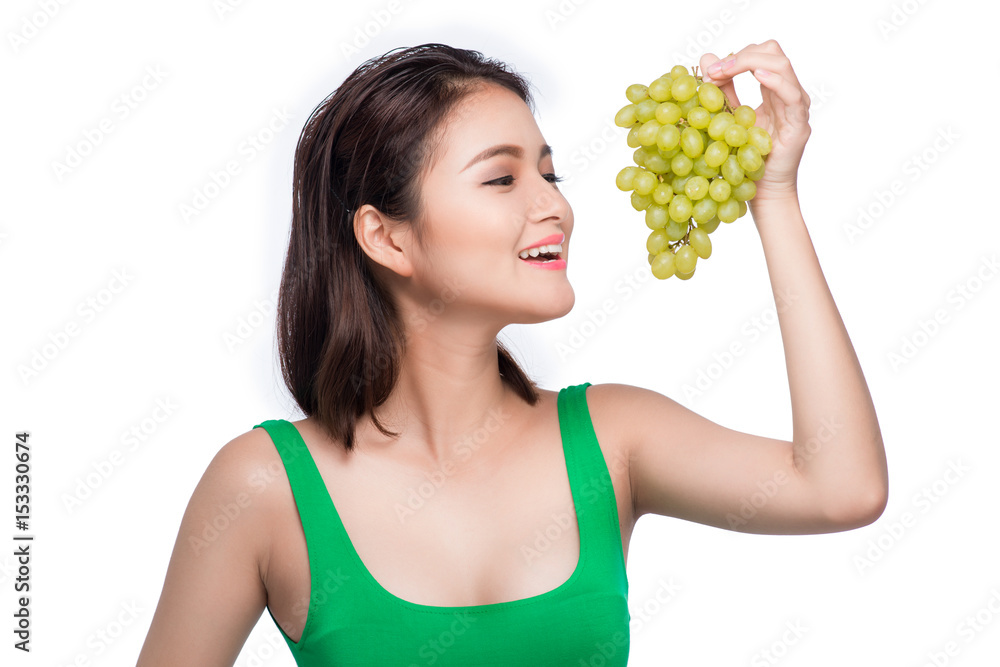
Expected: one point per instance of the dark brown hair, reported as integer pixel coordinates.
(339, 333)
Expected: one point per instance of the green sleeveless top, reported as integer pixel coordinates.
(353, 621)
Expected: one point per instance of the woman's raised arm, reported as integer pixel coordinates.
(833, 474)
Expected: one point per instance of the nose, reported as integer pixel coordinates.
(548, 203)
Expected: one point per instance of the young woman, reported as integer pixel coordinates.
(435, 506)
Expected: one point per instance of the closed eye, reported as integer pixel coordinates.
(509, 180)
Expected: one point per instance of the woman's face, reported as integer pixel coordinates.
(487, 194)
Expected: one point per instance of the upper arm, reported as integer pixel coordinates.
(213, 592)
(686, 466)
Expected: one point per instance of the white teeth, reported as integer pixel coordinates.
(539, 250)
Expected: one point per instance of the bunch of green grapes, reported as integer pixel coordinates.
(697, 163)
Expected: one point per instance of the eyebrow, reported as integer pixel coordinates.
(506, 149)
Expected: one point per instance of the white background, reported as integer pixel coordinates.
(886, 79)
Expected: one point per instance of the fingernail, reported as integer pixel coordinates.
(726, 64)
(715, 67)
(762, 73)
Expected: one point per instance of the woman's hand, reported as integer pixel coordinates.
(783, 112)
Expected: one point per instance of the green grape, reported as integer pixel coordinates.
(717, 126)
(684, 276)
(745, 190)
(657, 164)
(644, 182)
(668, 113)
(656, 218)
(671, 153)
(698, 118)
(691, 142)
(711, 96)
(756, 174)
(680, 208)
(687, 105)
(698, 239)
(667, 137)
(626, 116)
(711, 225)
(678, 183)
(636, 93)
(645, 110)
(749, 158)
(633, 136)
(647, 133)
(681, 164)
(732, 171)
(677, 71)
(684, 87)
(659, 90)
(625, 178)
(736, 135)
(760, 139)
(716, 153)
(649, 257)
(662, 265)
(704, 210)
(663, 193)
(675, 231)
(745, 115)
(701, 168)
(656, 242)
(639, 156)
(729, 210)
(641, 202)
(719, 190)
(685, 259)
(696, 188)
(743, 208)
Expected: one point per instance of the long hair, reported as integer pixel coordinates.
(339, 333)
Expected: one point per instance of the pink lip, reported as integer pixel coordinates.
(554, 265)
(548, 240)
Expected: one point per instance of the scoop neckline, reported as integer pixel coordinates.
(480, 608)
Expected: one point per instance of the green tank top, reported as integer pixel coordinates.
(353, 621)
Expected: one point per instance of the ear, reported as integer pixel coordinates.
(384, 241)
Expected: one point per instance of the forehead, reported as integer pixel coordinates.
(488, 116)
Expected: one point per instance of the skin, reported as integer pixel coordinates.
(831, 476)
